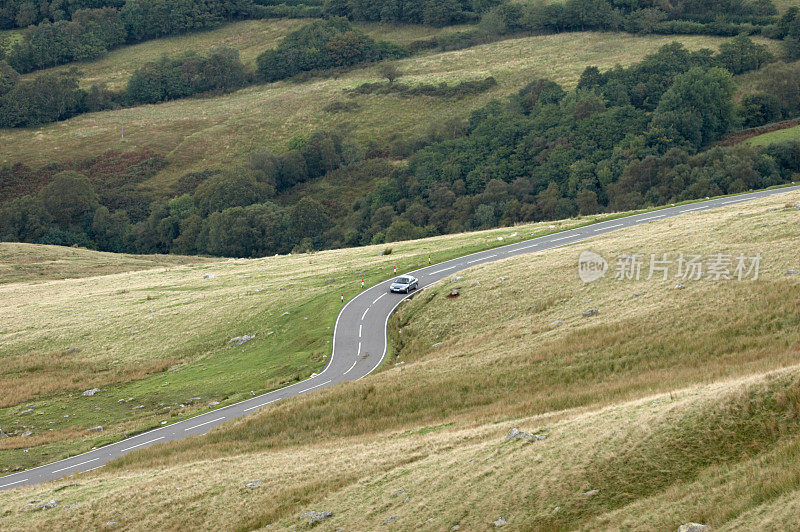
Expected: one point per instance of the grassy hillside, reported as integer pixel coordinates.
(791, 133)
(671, 403)
(31, 262)
(136, 334)
(200, 133)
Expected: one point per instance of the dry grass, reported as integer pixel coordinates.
(29, 262)
(131, 332)
(717, 443)
(200, 133)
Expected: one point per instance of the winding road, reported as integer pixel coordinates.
(359, 340)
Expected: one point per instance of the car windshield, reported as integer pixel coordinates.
(403, 280)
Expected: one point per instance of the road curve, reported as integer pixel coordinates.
(359, 341)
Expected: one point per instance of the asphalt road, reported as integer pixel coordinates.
(359, 341)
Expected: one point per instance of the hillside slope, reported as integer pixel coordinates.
(200, 133)
(670, 404)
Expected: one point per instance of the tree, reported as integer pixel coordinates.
(741, 54)
(235, 189)
(699, 106)
(390, 72)
(8, 77)
(307, 219)
(70, 200)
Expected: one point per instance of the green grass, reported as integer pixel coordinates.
(677, 405)
(791, 133)
(201, 133)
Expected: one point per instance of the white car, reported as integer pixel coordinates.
(404, 284)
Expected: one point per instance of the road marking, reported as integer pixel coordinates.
(12, 483)
(378, 298)
(607, 228)
(259, 406)
(653, 217)
(317, 386)
(527, 247)
(365, 313)
(474, 261)
(444, 270)
(359, 330)
(562, 238)
(92, 469)
(490, 256)
(351, 367)
(359, 349)
(76, 465)
(139, 445)
(206, 423)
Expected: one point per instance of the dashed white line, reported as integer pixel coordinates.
(474, 261)
(76, 465)
(351, 367)
(140, 444)
(692, 210)
(378, 298)
(527, 247)
(365, 313)
(259, 406)
(359, 330)
(313, 387)
(490, 256)
(442, 270)
(653, 218)
(203, 424)
(562, 238)
(13, 483)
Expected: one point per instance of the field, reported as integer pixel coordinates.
(791, 133)
(200, 133)
(669, 405)
(136, 335)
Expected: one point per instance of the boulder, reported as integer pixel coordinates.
(3, 434)
(316, 517)
(98, 428)
(455, 279)
(89, 393)
(693, 527)
(26, 433)
(591, 493)
(254, 484)
(330, 281)
(591, 312)
(241, 340)
(500, 522)
(26, 411)
(679, 287)
(516, 434)
(390, 519)
(50, 504)
(554, 323)
(454, 293)
(791, 272)
(209, 276)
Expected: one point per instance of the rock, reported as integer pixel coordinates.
(3, 434)
(516, 434)
(254, 484)
(637, 294)
(389, 520)
(330, 281)
(500, 522)
(474, 284)
(456, 279)
(89, 393)
(454, 293)
(591, 493)
(27, 411)
(241, 340)
(49, 504)
(285, 314)
(679, 287)
(398, 492)
(209, 276)
(72, 350)
(554, 323)
(455, 527)
(503, 278)
(98, 428)
(693, 527)
(213, 403)
(437, 344)
(316, 517)
(790, 272)
(192, 400)
(591, 312)
(26, 433)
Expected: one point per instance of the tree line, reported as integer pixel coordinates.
(625, 138)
